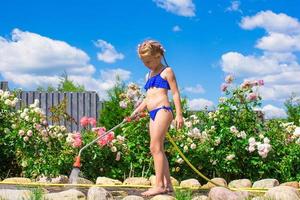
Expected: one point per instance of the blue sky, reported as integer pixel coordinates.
(204, 41)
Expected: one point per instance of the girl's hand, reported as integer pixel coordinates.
(178, 121)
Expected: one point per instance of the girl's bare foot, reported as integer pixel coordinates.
(154, 191)
(169, 188)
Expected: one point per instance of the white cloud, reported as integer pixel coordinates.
(235, 6)
(108, 52)
(29, 52)
(279, 42)
(176, 28)
(200, 104)
(278, 64)
(271, 22)
(198, 89)
(30, 60)
(179, 7)
(106, 80)
(240, 65)
(271, 112)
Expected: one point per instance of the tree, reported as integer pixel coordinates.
(292, 106)
(65, 85)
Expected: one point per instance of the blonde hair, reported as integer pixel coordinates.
(151, 48)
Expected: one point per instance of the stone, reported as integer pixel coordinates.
(136, 181)
(240, 183)
(162, 197)
(221, 193)
(107, 181)
(9, 194)
(71, 194)
(201, 197)
(219, 181)
(98, 193)
(173, 180)
(17, 180)
(283, 193)
(190, 183)
(59, 179)
(133, 197)
(265, 183)
(83, 181)
(293, 184)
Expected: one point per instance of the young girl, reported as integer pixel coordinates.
(159, 80)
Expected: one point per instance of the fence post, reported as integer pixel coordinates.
(4, 85)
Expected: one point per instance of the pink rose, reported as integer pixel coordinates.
(38, 126)
(45, 122)
(224, 87)
(118, 156)
(261, 82)
(92, 121)
(100, 130)
(252, 96)
(77, 139)
(106, 139)
(246, 84)
(84, 121)
(229, 79)
(21, 132)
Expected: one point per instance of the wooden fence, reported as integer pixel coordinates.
(78, 104)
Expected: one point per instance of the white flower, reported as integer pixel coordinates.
(180, 160)
(242, 134)
(21, 132)
(211, 115)
(113, 149)
(189, 140)
(5, 94)
(27, 118)
(120, 138)
(29, 133)
(193, 146)
(23, 115)
(222, 99)
(188, 124)
(25, 138)
(298, 141)
(251, 149)
(123, 104)
(196, 130)
(266, 140)
(230, 157)
(36, 102)
(251, 140)
(297, 132)
(217, 141)
(185, 148)
(194, 117)
(7, 102)
(233, 130)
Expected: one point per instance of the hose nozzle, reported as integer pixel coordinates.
(77, 162)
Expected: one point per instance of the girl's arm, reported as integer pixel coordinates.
(176, 96)
(139, 108)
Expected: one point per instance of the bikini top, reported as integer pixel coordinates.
(157, 81)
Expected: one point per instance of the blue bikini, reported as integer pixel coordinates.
(158, 82)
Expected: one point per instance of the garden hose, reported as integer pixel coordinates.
(189, 163)
(77, 163)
